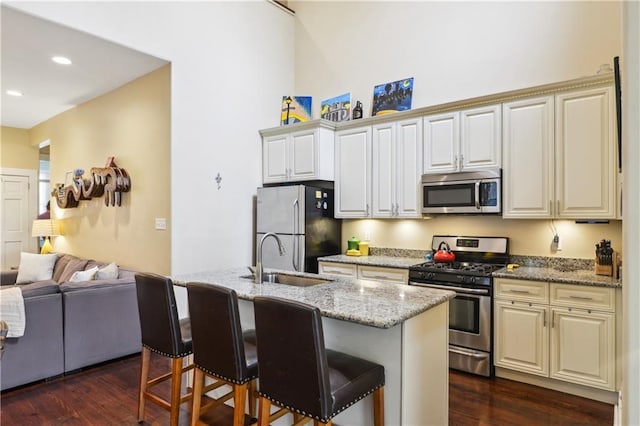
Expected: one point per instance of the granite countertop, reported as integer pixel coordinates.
(381, 305)
(384, 261)
(558, 275)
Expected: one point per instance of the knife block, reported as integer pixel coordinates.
(607, 270)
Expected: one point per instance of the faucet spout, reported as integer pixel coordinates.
(259, 269)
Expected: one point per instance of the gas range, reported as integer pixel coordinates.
(476, 258)
(470, 312)
(457, 272)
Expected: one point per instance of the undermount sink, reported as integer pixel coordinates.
(287, 279)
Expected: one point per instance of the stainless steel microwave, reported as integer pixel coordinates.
(463, 193)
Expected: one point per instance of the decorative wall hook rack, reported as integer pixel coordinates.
(110, 181)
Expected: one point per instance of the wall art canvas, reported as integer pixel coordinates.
(295, 109)
(392, 97)
(337, 108)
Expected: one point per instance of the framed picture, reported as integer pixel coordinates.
(392, 97)
(295, 109)
(337, 108)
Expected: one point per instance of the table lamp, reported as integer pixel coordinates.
(45, 228)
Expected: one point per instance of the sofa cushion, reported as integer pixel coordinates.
(80, 276)
(35, 267)
(39, 288)
(73, 266)
(109, 272)
(87, 285)
(61, 263)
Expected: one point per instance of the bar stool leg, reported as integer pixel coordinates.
(144, 377)
(198, 384)
(378, 406)
(176, 384)
(239, 402)
(264, 409)
(253, 398)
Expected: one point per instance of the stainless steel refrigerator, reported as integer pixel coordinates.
(302, 216)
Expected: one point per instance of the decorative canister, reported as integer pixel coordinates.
(364, 248)
(352, 244)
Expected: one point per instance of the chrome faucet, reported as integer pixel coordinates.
(259, 270)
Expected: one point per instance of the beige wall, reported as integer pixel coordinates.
(16, 151)
(131, 123)
(526, 237)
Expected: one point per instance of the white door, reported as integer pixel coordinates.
(383, 197)
(585, 154)
(409, 169)
(583, 347)
(481, 138)
(15, 217)
(521, 337)
(528, 180)
(441, 142)
(275, 166)
(353, 173)
(303, 154)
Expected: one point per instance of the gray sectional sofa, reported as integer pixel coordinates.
(71, 325)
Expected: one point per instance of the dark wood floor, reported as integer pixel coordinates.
(107, 395)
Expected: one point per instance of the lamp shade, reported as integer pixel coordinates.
(45, 228)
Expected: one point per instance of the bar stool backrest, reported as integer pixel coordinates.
(159, 322)
(216, 332)
(292, 361)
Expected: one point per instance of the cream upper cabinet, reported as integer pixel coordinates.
(298, 156)
(585, 154)
(528, 167)
(463, 140)
(562, 331)
(559, 156)
(397, 169)
(353, 173)
(441, 142)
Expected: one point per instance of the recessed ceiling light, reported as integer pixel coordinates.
(61, 60)
(14, 93)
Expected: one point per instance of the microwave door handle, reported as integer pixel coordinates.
(478, 195)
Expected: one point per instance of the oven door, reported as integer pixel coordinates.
(469, 316)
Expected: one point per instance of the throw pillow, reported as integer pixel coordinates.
(62, 262)
(35, 267)
(73, 265)
(109, 272)
(87, 275)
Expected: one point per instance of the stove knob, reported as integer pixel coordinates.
(432, 275)
(472, 280)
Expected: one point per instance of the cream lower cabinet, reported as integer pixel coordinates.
(562, 331)
(365, 272)
(522, 337)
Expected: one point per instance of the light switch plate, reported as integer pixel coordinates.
(161, 223)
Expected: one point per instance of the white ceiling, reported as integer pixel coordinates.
(28, 43)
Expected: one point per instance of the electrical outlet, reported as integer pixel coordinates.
(161, 223)
(367, 235)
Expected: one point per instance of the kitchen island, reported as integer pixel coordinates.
(404, 328)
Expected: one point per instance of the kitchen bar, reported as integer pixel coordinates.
(401, 327)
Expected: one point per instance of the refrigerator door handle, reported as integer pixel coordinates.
(294, 255)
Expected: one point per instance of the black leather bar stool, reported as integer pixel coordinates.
(298, 374)
(221, 350)
(165, 334)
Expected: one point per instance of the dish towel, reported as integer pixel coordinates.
(12, 310)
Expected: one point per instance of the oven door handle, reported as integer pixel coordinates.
(464, 352)
(453, 288)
